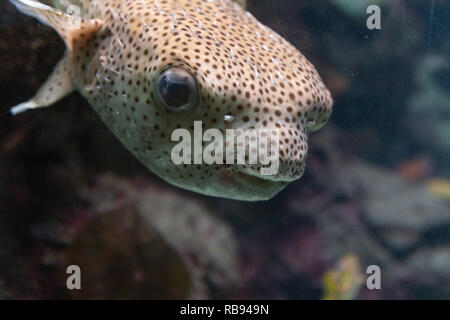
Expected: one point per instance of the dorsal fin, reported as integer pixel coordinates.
(69, 26)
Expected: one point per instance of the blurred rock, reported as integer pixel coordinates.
(132, 240)
(362, 209)
(429, 107)
(401, 220)
(432, 262)
(173, 245)
(121, 256)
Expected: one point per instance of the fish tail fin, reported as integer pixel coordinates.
(75, 31)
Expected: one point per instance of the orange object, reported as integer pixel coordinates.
(415, 169)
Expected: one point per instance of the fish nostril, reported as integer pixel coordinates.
(311, 123)
(228, 118)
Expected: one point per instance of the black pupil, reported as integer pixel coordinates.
(175, 89)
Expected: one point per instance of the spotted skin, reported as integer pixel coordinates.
(244, 71)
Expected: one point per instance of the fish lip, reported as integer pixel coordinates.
(271, 178)
(255, 179)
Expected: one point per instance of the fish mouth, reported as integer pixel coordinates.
(286, 178)
(255, 187)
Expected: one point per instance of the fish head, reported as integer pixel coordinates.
(216, 64)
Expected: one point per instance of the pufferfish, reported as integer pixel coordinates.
(149, 67)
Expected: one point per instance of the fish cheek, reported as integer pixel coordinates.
(146, 138)
(154, 143)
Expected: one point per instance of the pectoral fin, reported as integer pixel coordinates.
(75, 31)
(57, 86)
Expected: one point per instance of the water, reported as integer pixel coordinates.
(375, 198)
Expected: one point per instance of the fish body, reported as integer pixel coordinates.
(137, 61)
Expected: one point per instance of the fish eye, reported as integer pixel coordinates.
(177, 89)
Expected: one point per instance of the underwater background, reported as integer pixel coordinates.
(376, 189)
